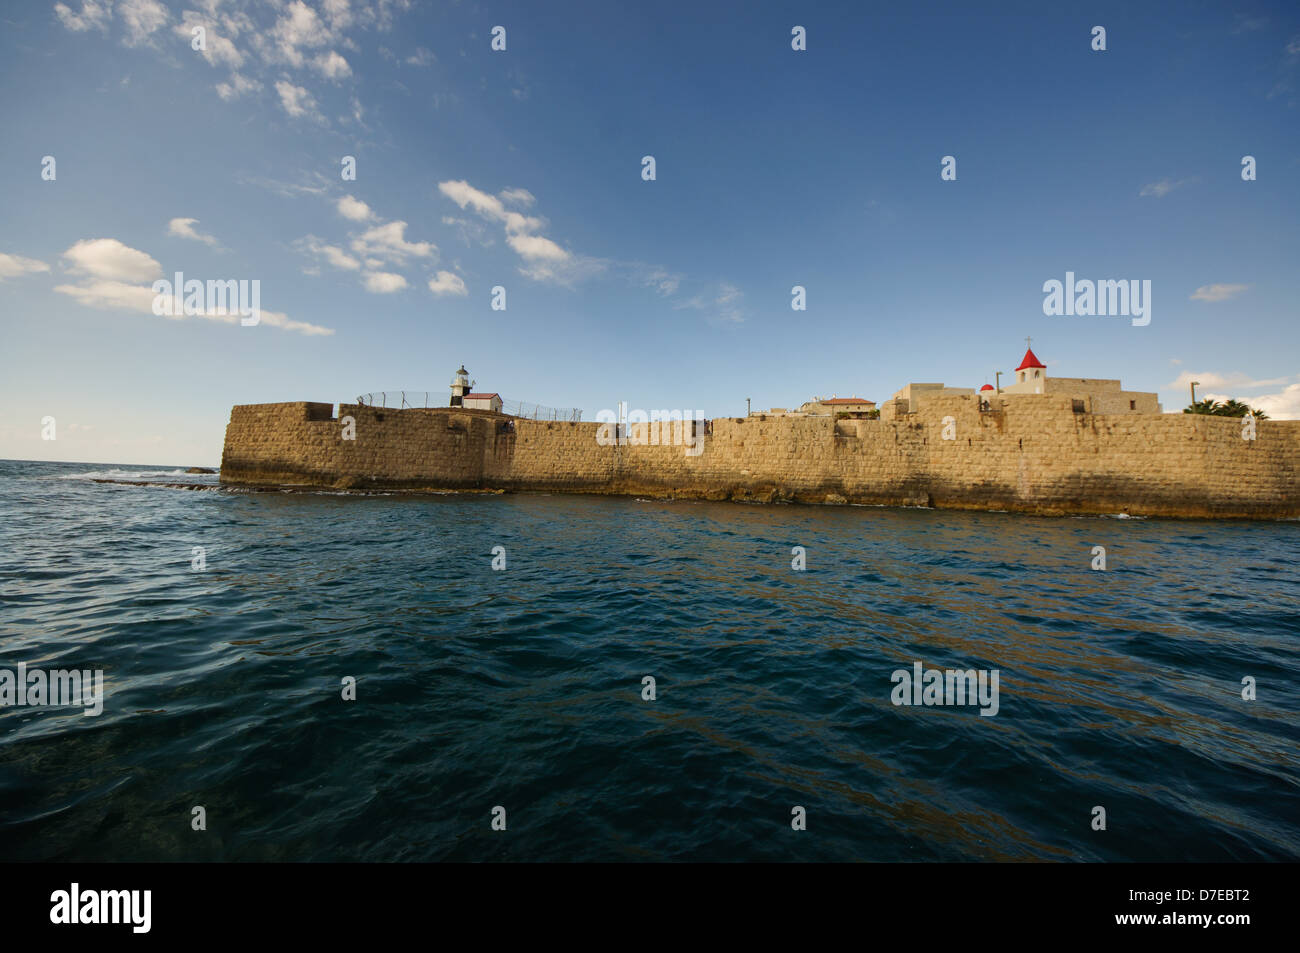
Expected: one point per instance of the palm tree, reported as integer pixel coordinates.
(1228, 408)
(1235, 408)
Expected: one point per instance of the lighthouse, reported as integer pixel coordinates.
(459, 387)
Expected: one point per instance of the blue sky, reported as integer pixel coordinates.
(522, 168)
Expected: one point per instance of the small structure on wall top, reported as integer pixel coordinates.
(461, 396)
(483, 402)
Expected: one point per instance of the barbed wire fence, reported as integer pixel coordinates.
(423, 399)
(398, 399)
(518, 408)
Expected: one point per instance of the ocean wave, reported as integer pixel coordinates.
(115, 473)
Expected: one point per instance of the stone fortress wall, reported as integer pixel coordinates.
(1037, 453)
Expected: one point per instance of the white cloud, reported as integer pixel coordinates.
(121, 296)
(388, 242)
(1284, 405)
(727, 304)
(14, 266)
(470, 232)
(338, 12)
(218, 49)
(93, 16)
(238, 85)
(297, 102)
(380, 13)
(354, 209)
(299, 28)
(109, 259)
(1231, 381)
(1217, 292)
(722, 305)
(489, 206)
(659, 279)
(115, 295)
(142, 19)
(332, 254)
(533, 247)
(447, 283)
(115, 271)
(253, 45)
(184, 228)
(568, 272)
(421, 57)
(332, 66)
(518, 197)
(384, 282)
(1163, 187)
(544, 259)
(315, 183)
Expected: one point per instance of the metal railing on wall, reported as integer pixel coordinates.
(409, 399)
(399, 399)
(518, 408)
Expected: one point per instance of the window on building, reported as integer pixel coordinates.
(1035, 373)
(1132, 405)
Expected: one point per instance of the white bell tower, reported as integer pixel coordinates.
(1031, 375)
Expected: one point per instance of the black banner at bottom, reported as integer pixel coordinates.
(334, 902)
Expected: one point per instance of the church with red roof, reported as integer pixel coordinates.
(1087, 394)
(1031, 372)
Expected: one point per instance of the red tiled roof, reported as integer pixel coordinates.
(846, 400)
(987, 387)
(483, 396)
(1031, 361)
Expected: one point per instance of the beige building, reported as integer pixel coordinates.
(1088, 394)
(823, 406)
(1099, 396)
(483, 402)
(913, 394)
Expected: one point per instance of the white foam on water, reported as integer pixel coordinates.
(117, 474)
